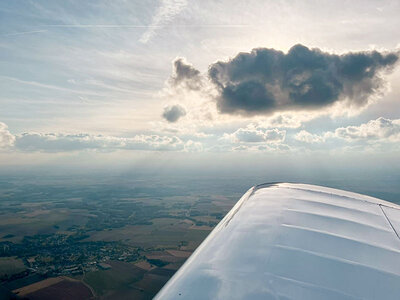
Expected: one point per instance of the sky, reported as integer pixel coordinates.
(239, 86)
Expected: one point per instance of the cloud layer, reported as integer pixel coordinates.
(52, 142)
(253, 137)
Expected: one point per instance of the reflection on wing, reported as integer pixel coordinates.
(296, 241)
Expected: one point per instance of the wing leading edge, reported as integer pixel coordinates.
(296, 241)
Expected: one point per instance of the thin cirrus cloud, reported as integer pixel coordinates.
(24, 32)
(266, 81)
(167, 10)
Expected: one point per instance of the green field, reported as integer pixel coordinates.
(165, 232)
(120, 276)
(10, 266)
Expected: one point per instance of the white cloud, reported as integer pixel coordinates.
(254, 134)
(52, 142)
(254, 138)
(191, 146)
(380, 129)
(309, 138)
(286, 120)
(6, 138)
(373, 135)
(277, 147)
(242, 148)
(167, 10)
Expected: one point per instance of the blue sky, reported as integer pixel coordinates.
(117, 81)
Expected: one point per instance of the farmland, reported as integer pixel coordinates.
(10, 266)
(102, 238)
(55, 288)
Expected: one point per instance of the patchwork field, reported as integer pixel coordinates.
(95, 238)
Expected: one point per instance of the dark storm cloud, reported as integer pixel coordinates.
(267, 80)
(184, 73)
(173, 113)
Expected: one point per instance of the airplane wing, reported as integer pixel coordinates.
(296, 241)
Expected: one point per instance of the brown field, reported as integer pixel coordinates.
(178, 253)
(55, 288)
(37, 286)
(164, 256)
(130, 294)
(63, 290)
(144, 265)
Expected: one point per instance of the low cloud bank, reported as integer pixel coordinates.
(52, 142)
(253, 137)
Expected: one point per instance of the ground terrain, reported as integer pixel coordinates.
(75, 239)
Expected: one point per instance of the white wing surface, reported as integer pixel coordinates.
(296, 241)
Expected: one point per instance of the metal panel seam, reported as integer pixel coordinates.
(390, 223)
